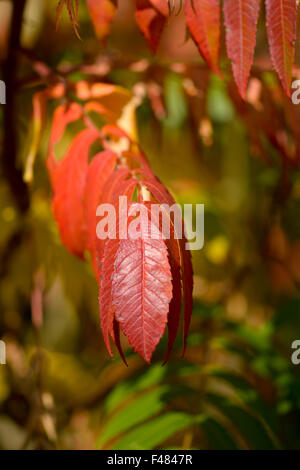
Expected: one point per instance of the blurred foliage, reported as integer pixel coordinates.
(236, 388)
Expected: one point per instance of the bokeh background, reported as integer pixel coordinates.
(236, 387)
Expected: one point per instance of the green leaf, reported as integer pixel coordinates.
(152, 376)
(249, 426)
(135, 413)
(217, 435)
(155, 432)
(250, 396)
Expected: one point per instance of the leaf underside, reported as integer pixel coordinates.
(142, 291)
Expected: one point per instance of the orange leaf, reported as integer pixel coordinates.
(102, 13)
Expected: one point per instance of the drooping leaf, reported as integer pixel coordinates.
(69, 185)
(138, 411)
(79, 188)
(151, 17)
(249, 396)
(63, 115)
(98, 173)
(217, 435)
(102, 14)
(73, 8)
(105, 295)
(39, 103)
(106, 267)
(118, 342)
(241, 18)
(188, 284)
(153, 433)
(175, 304)
(150, 378)
(142, 290)
(112, 184)
(203, 22)
(251, 426)
(281, 28)
(164, 197)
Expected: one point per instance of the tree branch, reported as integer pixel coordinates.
(10, 145)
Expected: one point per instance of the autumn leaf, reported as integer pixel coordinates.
(69, 186)
(105, 295)
(73, 9)
(121, 169)
(98, 173)
(203, 22)
(164, 197)
(107, 197)
(175, 266)
(106, 264)
(241, 18)
(102, 14)
(39, 103)
(281, 27)
(142, 291)
(151, 17)
(63, 115)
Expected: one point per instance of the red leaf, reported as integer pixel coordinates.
(117, 340)
(69, 184)
(98, 173)
(112, 184)
(142, 290)
(125, 189)
(63, 115)
(164, 197)
(241, 18)
(102, 13)
(151, 20)
(188, 284)
(175, 304)
(281, 27)
(160, 6)
(107, 268)
(203, 21)
(105, 296)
